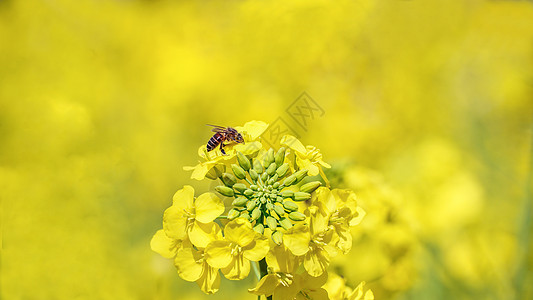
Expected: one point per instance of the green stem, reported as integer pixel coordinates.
(264, 271)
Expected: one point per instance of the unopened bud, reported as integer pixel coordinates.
(271, 169)
(282, 170)
(224, 190)
(240, 187)
(300, 175)
(233, 213)
(301, 196)
(256, 213)
(280, 156)
(285, 223)
(310, 186)
(289, 205)
(258, 167)
(287, 194)
(279, 210)
(228, 179)
(296, 216)
(269, 157)
(277, 237)
(254, 175)
(259, 228)
(238, 171)
(240, 201)
(289, 180)
(271, 223)
(243, 161)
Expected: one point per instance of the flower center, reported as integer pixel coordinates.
(284, 279)
(236, 250)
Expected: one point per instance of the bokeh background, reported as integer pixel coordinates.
(428, 117)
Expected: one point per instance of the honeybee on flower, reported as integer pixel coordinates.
(282, 222)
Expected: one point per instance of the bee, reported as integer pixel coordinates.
(221, 135)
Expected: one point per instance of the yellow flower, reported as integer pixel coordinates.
(240, 246)
(342, 211)
(192, 265)
(164, 245)
(314, 241)
(279, 282)
(357, 294)
(307, 157)
(311, 287)
(251, 132)
(337, 289)
(190, 217)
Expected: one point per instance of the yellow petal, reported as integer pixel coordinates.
(357, 294)
(297, 239)
(256, 250)
(199, 172)
(280, 259)
(360, 215)
(293, 143)
(186, 264)
(316, 262)
(319, 218)
(288, 292)
(344, 242)
(326, 196)
(183, 198)
(208, 207)
(164, 245)
(266, 285)
(209, 282)
(309, 165)
(218, 254)
(175, 223)
(248, 148)
(202, 234)
(238, 269)
(369, 295)
(239, 231)
(318, 294)
(309, 282)
(252, 130)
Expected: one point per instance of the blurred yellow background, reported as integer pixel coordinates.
(427, 116)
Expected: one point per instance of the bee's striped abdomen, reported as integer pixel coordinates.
(214, 141)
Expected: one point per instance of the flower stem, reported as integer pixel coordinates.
(263, 270)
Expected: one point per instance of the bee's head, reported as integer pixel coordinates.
(239, 138)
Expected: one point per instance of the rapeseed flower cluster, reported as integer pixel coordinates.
(268, 213)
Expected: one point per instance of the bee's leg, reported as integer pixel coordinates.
(222, 148)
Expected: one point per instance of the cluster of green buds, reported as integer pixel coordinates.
(264, 192)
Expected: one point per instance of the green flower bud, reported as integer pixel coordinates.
(279, 199)
(287, 194)
(296, 216)
(279, 210)
(263, 200)
(300, 175)
(271, 223)
(245, 215)
(250, 205)
(275, 177)
(248, 193)
(269, 206)
(280, 156)
(310, 186)
(233, 214)
(269, 157)
(275, 185)
(238, 171)
(271, 169)
(285, 223)
(259, 228)
(243, 161)
(301, 196)
(264, 177)
(258, 167)
(224, 190)
(277, 237)
(253, 175)
(239, 187)
(282, 170)
(289, 180)
(228, 179)
(240, 201)
(254, 187)
(216, 171)
(256, 213)
(289, 205)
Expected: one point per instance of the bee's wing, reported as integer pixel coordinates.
(217, 128)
